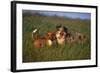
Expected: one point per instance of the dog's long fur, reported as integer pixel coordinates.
(60, 35)
(46, 40)
(64, 36)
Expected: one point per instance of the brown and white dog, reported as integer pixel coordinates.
(60, 35)
(46, 40)
(81, 37)
(70, 38)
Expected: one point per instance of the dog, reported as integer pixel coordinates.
(46, 40)
(81, 37)
(60, 34)
(64, 36)
(70, 38)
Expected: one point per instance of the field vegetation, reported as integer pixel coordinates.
(76, 51)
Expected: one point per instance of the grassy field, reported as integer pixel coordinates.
(44, 23)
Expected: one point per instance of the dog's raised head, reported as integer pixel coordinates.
(50, 35)
(61, 28)
(61, 31)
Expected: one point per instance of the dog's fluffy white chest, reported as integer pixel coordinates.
(61, 41)
(49, 42)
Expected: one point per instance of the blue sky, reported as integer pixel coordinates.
(63, 14)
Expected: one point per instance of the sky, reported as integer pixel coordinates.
(62, 14)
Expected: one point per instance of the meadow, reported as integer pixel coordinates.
(45, 23)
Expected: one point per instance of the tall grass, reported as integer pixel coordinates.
(44, 23)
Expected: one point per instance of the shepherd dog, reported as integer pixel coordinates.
(63, 35)
(60, 34)
(47, 40)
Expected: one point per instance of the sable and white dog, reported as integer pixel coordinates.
(60, 35)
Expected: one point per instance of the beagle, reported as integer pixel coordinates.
(46, 40)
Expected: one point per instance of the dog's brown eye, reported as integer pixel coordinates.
(61, 33)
